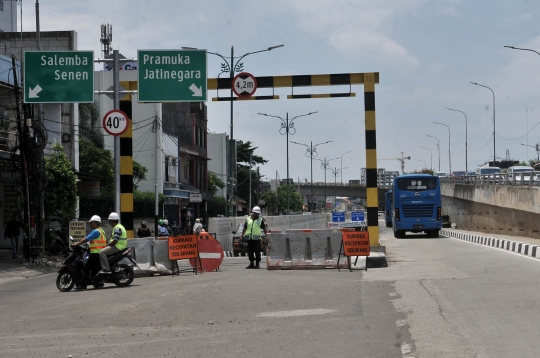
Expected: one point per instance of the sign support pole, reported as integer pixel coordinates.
(116, 104)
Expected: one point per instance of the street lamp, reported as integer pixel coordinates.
(325, 165)
(312, 151)
(335, 172)
(431, 156)
(449, 157)
(287, 126)
(493, 93)
(420, 160)
(466, 155)
(341, 166)
(438, 149)
(230, 66)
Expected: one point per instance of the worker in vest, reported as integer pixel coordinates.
(98, 241)
(118, 243)
(253, 227)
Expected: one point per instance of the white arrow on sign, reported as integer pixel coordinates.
(196, 90)
(33, 93)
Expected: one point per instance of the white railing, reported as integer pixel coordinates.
(526, 178)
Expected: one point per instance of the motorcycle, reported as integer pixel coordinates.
(57, 242)
(72, 271)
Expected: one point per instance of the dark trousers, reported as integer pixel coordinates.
(91, 268)
(254, 250)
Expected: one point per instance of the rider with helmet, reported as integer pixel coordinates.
(98, 241)
(252, 229)
(162, 227)
(118, 242)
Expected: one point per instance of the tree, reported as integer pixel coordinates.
(89, 124)
(139, 173)
(217, 206)
(99, 162)
(214, 182)
(245, 156)
(295, 199)
(61, 192)
(271, 201)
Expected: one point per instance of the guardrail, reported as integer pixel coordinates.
(525, 178)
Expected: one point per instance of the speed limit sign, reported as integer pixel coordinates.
(115, 122)
(244, 84)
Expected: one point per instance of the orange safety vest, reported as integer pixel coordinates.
(99, 243)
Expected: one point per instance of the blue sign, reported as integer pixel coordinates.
(338, 217)
(357, 216)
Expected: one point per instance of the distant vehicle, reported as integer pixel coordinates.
(459, 173)
(488, 170)
(388, 199)
(522, 173)
(440, 174)
(355, 181)
(470, 174)
(417, 204)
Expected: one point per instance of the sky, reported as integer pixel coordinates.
(426, 52)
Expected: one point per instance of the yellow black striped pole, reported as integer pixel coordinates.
(371, 160)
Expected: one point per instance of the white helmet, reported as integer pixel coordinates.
(256, 209)
(114, 216)
(95, 218)
(165, 222)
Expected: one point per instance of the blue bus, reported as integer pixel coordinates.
(417, 204)
(388, 198)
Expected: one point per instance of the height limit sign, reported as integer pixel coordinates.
(244, 84)
(115, 122)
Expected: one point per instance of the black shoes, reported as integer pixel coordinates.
(250, 267)
(257, 267)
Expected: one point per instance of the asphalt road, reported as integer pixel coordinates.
(438, 298)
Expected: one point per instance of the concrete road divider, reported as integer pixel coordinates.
(143, 253)
(303, 249)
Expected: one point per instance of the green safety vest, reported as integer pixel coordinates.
(253, 231)
(122, 242)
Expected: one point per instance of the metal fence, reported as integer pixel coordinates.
(528, 178)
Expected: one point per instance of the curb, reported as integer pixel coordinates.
(230, 254)
(508, 245)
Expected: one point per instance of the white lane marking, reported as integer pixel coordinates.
(401, 323)
(209, 255)
(295, 313)
(496, 248)
(393, 294)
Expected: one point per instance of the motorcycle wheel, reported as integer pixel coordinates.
(124, 276)
(57, 249)
(65, 281)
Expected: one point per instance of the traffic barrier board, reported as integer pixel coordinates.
(59, 76)
(210, 253)
(183, 247)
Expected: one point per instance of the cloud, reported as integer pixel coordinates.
(450, 11)
(520, 18)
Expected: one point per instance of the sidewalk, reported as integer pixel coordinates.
(16, 269)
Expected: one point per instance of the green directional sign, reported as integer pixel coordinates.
(58, 76)
(172, 75)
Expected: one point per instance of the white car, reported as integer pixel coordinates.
(519, 173)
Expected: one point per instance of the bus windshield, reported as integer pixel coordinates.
(416, 184)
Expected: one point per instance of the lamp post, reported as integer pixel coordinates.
(431, 156)
(287, 126)
(341, 166)
(466, 145)
(493, 93)
(325, 165)
(449, 157)
(312, 151)
(231, 67)
(438, 149)
(420, 160)
(335, 172)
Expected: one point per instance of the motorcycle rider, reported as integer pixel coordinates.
(98, 241)
(118, 243)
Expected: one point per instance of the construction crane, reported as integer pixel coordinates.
(402, 160)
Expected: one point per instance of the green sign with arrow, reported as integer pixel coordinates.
(172, 75)
(58, 76)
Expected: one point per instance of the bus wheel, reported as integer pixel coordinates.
(434, 234)
(398, 234)
(388, 224)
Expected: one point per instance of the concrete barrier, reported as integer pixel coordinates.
(143, 253)
(303, 249)
(161, 256)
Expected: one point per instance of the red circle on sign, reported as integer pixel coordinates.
(210, 254)
(122, 125)
(244, 84)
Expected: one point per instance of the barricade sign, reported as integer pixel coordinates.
(354, 243)
(77, 230)
(210, 253)
(182, 248)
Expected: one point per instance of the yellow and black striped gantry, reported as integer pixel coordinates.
(368, 80)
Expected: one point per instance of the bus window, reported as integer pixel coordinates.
(417, 184)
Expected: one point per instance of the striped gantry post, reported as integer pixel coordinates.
(368, 80)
